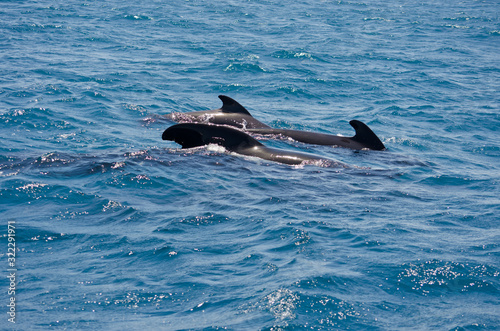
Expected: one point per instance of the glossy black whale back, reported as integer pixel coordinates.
(190, 135)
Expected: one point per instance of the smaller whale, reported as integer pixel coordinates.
(190, 135)
(233, 114)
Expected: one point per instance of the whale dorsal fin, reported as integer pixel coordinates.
(232, 106)
(365, 136)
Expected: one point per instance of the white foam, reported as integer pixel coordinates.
(216, 148)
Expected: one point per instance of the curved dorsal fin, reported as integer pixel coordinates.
(365, 136)
(232, 106)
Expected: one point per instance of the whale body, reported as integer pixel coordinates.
(190, 135)
(363, 139)
(233, 114)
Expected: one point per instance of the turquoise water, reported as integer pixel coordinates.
(116, 229)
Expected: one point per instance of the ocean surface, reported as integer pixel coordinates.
(115, 229)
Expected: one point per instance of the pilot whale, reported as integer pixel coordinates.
(190, 135)
(363, 139)
(233, 114)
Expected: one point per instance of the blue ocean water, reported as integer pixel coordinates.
(116, 229)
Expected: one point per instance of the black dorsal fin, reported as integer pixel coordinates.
(232, 106)
(365, 136)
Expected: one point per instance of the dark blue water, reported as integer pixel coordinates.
(117, 229)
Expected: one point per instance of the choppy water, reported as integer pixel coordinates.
(117, 229)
